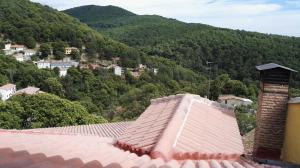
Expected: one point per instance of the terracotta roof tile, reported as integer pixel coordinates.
(200, 134)
(32, 150)
(102, 130)
(184, 127)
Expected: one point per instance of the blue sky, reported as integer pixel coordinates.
(266, 16)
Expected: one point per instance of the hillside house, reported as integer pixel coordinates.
(155, 71)
(60, 64)
(29, 91)
(19, 57)
(17, 47)
(42, 64)
(68, 50)
(29, 52)
(63, 72)
(234, 101)
(118, 71)
(6, 91)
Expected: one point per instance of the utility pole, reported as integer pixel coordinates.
(209, 74)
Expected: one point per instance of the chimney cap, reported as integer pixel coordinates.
(272, 66)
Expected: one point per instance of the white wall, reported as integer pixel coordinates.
(6, 94)
(41, 65)
(235, 102)
(118, 71)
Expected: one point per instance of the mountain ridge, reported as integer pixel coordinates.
(191, 45)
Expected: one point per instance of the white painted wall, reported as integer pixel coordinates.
(6, 94)
(118, 70)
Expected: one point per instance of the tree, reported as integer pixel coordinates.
(45, 50)
(46, 110)
(59, 49)
(75, 55)
(10, 113)
(52, 85)
(30, 42)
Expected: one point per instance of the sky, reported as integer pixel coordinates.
(266, 16)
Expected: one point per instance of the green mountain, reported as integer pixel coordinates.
(97, 13)
(29, 23)
(235, 52)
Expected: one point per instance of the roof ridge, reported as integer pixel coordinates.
(163, 149)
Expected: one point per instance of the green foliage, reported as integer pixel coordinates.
(59, 49)
(233, 52)
(45, 50)
(10, 113)
(97, 13)
(52, 85)
(26, 23)
(246, 121)
(75, 55)
(224, 85)
(45, 110)
(30, 42)
(294, 92)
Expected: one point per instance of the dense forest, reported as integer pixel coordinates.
(178, 50)
(29, 23)
(191, 45)
(99, 93)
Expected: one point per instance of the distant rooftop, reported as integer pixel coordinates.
(29, 90)
(8, 86)
(227, 97)
(273, 66)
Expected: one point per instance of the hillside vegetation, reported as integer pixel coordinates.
(29, 23)
(233, 51)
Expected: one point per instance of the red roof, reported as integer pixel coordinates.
(182, 131)
(184, 127)
(102, 130)
(34, 150)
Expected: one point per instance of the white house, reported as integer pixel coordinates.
(118, 71)
(42, 64)
(7, 46)
(155, 71)
(68, 50)
(29, 52)
(233, 101)
(17, 47)
(61, 64)
(6, 91)
(63, 72)
(19, 57)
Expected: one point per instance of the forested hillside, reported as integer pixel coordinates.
(233, 51)
(29, 23)
(86, 96)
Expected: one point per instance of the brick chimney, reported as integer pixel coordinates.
(272, 110)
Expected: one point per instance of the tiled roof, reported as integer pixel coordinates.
(102, 130)
(272, 66)
(8, 86)
(184, 127)
(34, 150)
(29, 90)
(227, 97)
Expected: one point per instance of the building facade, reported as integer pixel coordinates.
(6, 91)
(234, 101)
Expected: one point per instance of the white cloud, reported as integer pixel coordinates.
(255, 15)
